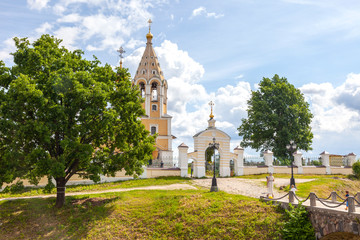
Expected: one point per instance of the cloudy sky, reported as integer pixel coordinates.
(219, 51)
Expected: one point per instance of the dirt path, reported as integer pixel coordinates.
(247, 187)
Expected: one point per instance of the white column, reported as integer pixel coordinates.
(239, 162)
(351, 159)
(144, 174)
(268, 157)
(183, 160)
(325, 158)
(297, 161)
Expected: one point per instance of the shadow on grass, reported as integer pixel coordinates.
(39, 219)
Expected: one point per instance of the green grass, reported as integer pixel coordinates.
(32, 191)
(191, 214)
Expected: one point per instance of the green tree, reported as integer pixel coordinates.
(277, 113)
(62, 115)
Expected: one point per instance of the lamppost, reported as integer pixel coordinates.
(292, 148)
(214, 187)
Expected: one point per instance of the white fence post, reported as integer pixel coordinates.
(239, 166)
(183, 160)
(268, 157)
(297, 161)
(325, 158)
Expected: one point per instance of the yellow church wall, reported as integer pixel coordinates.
(155, 114)
(163, 128)
(162, 125)
(164, 109)
(163, 143)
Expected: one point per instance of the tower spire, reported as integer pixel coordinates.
(121, 51)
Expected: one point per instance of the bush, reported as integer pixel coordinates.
(356, 169)
(14, 188)
(297, 224)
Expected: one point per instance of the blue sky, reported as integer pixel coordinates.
(218, 50)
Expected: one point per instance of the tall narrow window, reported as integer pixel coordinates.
(142, 89)
(154, 93)
(154, 107)
(153, 130)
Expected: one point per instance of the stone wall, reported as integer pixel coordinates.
(326, 221)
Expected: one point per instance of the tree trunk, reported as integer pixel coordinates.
(60, 192)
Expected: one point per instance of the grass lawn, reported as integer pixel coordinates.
(156, 214)
(31, 191)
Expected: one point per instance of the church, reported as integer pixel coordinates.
(153, 87)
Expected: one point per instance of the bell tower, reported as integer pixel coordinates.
(153, 87)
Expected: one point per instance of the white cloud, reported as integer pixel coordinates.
(134, 43)
(201, 11)
(178, 63)
(37, 4)
(69, 35)
(239, 76)
(335, 109)
(8, 46)
(112, 24)
(44, 28)
(70, 18)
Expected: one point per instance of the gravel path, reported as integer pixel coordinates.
(247, 187)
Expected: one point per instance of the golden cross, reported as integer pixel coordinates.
(150, 22)
(121, 51)
(211, 104)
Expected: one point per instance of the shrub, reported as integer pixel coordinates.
(356, 169)
(297, 224)
(14, 188)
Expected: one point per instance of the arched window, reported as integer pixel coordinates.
(142, 89)
(143, 71)
(154, 93)
(153, 130)
(154, 107)
(152, 64)
(154, 72)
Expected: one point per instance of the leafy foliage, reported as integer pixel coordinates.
(277, 113)
(356, 169)
(62, 115)
(297, 224)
